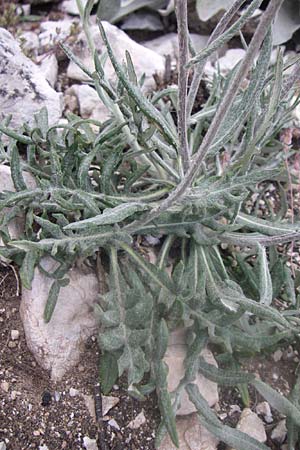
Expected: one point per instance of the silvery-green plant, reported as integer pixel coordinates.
(183, 178)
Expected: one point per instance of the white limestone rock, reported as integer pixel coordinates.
(52, 32)
(174, 358)
(252, 425)
(279, 433)
(49, 67)
(23, 87)
(29, 41)
(70, 6)
(57, 345)
(192, 436)
(167, 45)
(226, 63)
(90, 105)
(144, 60)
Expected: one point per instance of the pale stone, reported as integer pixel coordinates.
(49, 67)
(52, 32)
(114, 424)
(90, 444)
(264, 409)
(227, 62)
(279, 432)
(192, 436)
(108, 402)
(167, 45)
(70, 6)
(73, 392)
(174, 358)
(4, 386)
(138, 421)
(88, 100)
(145, 60)
(57, 345)
(252, 425)
(90, 405)
(29, 41)
(277, 355)
(15, 334)
(24, 89)
(2, 445)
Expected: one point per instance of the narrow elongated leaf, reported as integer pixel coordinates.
(51, 301)
(146, 107)
(27, 268)
(108, 371)
(234, 438)
(157, 275)
(16, 172)
(109, 216)
(223, 377)
(278, 401)
(266, 292)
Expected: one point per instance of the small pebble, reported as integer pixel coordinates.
(279, 432)
(263, 408)
(2, 445)
(90, 444)
(14, 395)
(15, 334)
(113, 424)
(138, 421)
(36, 433)
(277, 355)
(4, 386)
(43, 447)
(73, 392)
(12, 344)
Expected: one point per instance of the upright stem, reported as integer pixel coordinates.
(181, 14)
(220, 28)
(220, 115)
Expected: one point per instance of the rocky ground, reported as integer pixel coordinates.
(35, 411)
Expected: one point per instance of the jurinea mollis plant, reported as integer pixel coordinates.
(158, 168)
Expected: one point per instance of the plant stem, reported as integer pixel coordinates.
(181, 14)
(220, 115)
(196, 80)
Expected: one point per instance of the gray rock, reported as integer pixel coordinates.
(57, 345)
(49, 67)
(264, 409)
(145, 60)
(70, 6)
(138, 421)
(24, 89)
(90, 105)
(279, 432)
(52, 32)
(142, 21)
(192, 436)
(108, 402)
(252, 425)
(167, 45)
(277, 355)
(2, 445)
(227, 62)
(29, 41)
(90, 444)
(174, 358)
